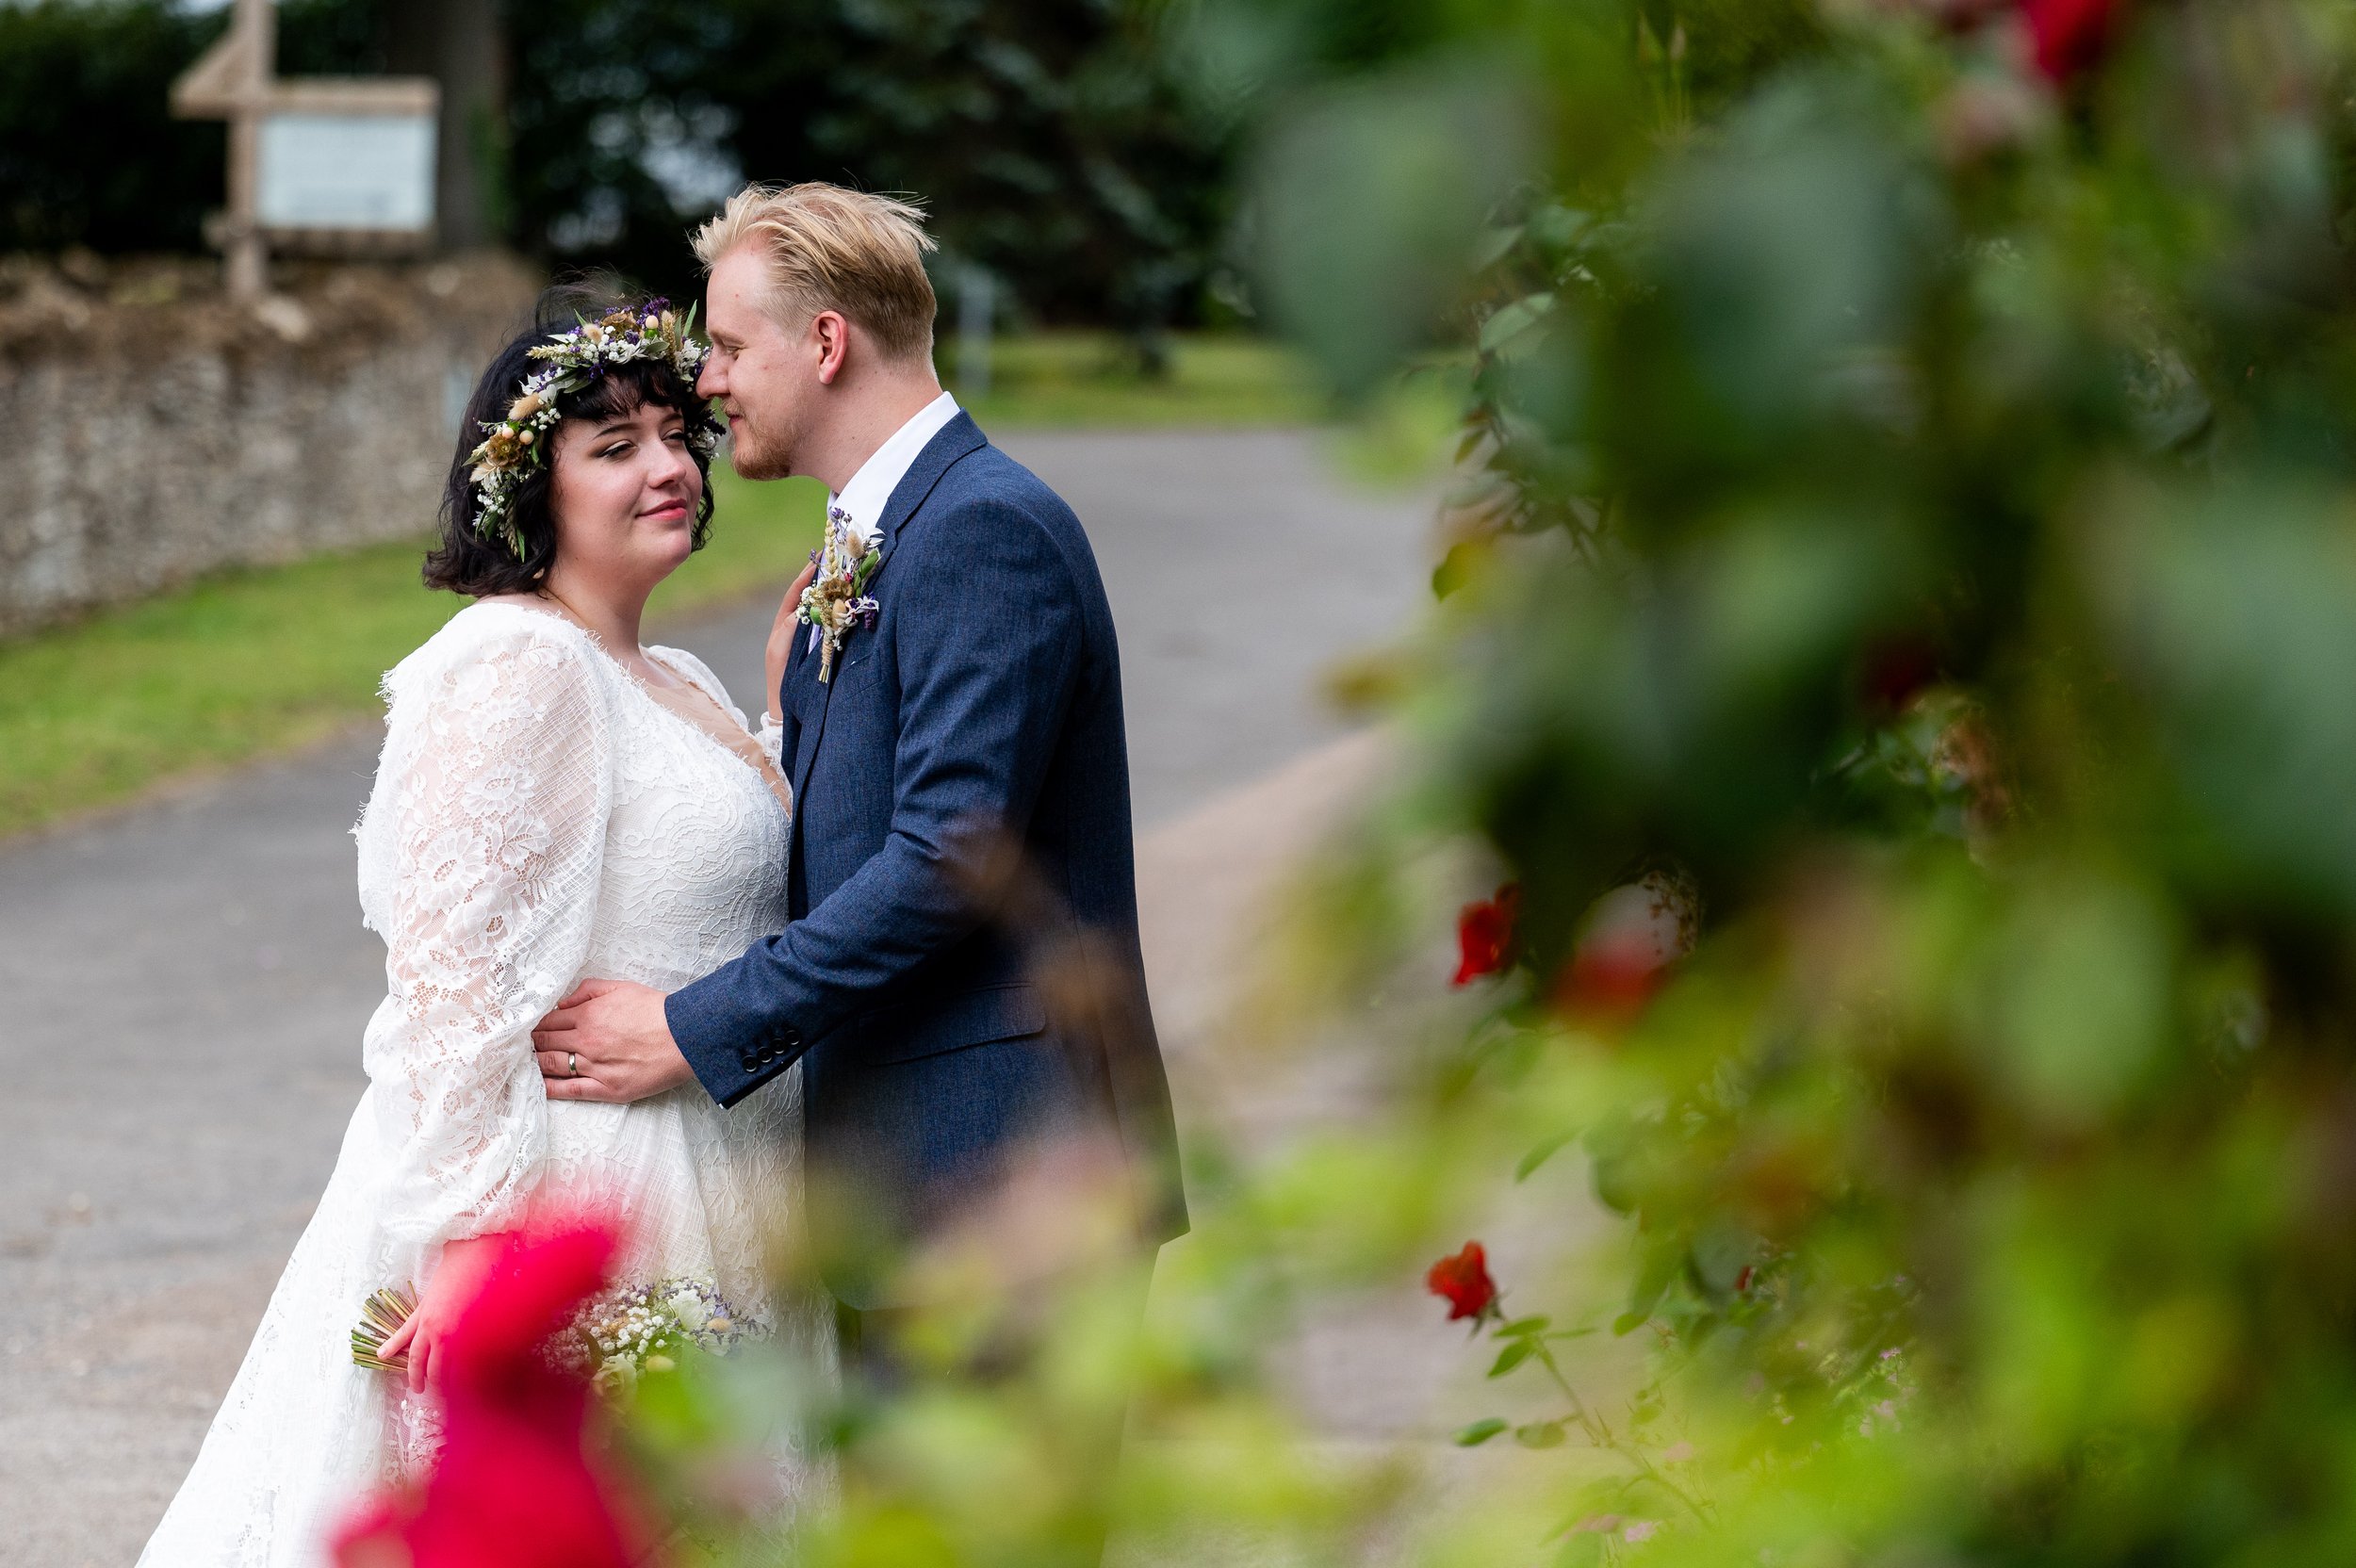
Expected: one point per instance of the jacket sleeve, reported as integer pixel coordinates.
(987, 623)
(492, 802)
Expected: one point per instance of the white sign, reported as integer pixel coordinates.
(346, 171)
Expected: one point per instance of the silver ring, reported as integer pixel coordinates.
(572, 1064)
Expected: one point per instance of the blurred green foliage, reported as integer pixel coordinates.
(1050, 137)
(1046, 136)
(89, 155)
(1910, 520)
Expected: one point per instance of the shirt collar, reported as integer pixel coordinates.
(870, 490)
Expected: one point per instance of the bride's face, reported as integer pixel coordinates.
(623, 494)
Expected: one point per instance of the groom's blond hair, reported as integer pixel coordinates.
(829, 247)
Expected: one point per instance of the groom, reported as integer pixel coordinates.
(961, 978)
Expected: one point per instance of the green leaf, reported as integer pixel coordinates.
(1523, 1326)
(1540, 1435)
(1512, 1356)
(1557, 227)
(1513, 321)
(1496, 245)
(1456, 567)
(1584, 1550)
(1480, 1432)
(1661, 1266)
(1540, 1155)
(1628, 1322)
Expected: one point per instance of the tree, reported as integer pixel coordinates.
(460, 44)
(1051, 138)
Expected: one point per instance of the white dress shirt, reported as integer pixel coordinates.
(870, 490)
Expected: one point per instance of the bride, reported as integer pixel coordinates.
(553, 801)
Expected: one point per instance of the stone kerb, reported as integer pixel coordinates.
(158, 431)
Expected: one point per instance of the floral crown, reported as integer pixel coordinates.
(577, 357)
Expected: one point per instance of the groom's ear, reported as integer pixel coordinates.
(830, 335)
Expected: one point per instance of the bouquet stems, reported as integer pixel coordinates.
(380, 1316)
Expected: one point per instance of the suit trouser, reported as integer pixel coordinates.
(878, 1367)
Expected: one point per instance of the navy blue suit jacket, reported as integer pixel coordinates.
(981, 712)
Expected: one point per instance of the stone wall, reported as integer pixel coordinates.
(154, 431)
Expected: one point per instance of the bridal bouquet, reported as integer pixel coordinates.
(612, 1341)
(623, 1335)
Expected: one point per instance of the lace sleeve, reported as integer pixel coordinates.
(496, 793)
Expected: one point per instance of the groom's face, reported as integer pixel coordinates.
(766, 384)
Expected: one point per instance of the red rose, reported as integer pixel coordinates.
(1463, 1281)
(516, 1485)
(1485, 934)
(2070, 35)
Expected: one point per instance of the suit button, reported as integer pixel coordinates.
(749, 1060)
(789, 1036)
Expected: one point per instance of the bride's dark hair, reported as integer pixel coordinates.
(463, 560)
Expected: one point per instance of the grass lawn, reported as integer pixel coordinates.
(249, 662)
(1091, 378)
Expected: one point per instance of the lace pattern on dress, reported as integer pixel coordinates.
(495, 831)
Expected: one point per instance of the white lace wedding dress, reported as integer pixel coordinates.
(539, 815)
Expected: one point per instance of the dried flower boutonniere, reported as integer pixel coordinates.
(837, 599)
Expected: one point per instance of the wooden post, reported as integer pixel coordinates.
(231, 81)
(248, 252)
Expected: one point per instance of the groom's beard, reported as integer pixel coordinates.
(762, 452)
(750, 462)
(758, 454)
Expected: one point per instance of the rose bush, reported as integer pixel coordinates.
(1905, 503)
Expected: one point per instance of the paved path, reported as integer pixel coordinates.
(183, 986)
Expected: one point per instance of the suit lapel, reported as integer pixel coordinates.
(959, 438)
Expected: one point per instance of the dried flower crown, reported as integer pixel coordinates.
(576, 358)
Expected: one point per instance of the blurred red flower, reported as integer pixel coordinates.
(516, 1485)
(2070, 35)
(1625, 946)
(1613, 973)
(1485, 934)
(1463, 1281)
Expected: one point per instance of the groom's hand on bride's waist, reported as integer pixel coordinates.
(609, 1040)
